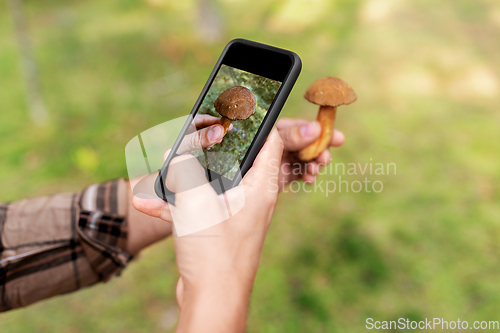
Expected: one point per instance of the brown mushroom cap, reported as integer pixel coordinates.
(330, 91)
(236, 103)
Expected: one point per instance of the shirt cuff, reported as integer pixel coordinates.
(103, 228)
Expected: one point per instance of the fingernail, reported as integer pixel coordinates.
(215, 133)
(309, 129)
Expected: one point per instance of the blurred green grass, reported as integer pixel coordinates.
(427, 78)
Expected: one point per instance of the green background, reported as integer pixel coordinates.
(427, 78)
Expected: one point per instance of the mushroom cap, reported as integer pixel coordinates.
(236, 103)
(330, 91)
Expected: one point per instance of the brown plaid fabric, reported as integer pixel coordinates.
(61, 243)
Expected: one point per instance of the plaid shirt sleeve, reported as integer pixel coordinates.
(58, 244)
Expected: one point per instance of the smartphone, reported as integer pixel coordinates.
(266, 74)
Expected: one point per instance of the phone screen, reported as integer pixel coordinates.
(228, 154)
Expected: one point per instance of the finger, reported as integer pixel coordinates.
(145, 199)
(324, 158)
(266, 166)
(205, 120)
(309, 179)
(197, 205)
(288, 122)
(312, 168)
(201, 139)
(338, 138)
(153, 207)
(297, 137)
(185, 173)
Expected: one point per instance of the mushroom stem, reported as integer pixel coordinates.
(326, 118)
(226, 122)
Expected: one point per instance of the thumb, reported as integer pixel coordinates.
(184, 173)
(197, 205)
(300, 135)
(202, 138)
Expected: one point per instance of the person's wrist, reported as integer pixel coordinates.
(222, 285)
(214, 305)
(143, 230)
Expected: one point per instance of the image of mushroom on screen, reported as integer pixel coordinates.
(241, 100)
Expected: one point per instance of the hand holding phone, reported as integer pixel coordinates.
(246, 90)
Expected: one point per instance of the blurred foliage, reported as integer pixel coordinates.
(427, 76)
(225, 157)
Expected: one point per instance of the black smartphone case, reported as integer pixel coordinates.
(262, 133)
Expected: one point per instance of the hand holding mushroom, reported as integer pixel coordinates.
(328, 93)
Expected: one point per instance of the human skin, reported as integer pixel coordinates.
(297, 134)
(145, 230)
(218, 265)
(149, 227)
(217, 274)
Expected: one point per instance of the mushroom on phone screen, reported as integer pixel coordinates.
(328, 92)
(235, 103)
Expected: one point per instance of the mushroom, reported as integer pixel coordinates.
(328, 92)
(235, 103)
